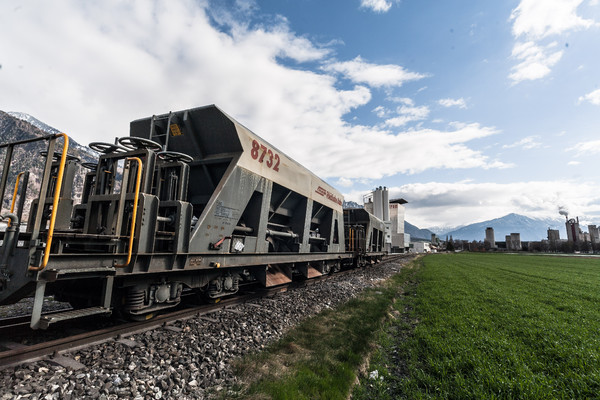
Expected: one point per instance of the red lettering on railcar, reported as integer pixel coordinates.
(328, 195)
(259, 151)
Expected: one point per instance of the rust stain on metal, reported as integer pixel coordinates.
(277, 275)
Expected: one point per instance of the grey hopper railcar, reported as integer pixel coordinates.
(364, 234)
(190, 200)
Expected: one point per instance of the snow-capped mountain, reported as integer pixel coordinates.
(16, 126)
(33, 121)
(531, 229)
(442, 229)
(351, 204)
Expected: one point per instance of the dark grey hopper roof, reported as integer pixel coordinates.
(205, 131)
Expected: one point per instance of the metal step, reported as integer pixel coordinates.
(53, 274)
(46, 320)
(66, 271)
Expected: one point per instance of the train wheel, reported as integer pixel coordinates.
(337, 267)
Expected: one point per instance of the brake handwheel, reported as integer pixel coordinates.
(135, 143)
(173, 156)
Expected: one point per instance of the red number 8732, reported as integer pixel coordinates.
(259, 151)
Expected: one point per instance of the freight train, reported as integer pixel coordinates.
(189, 201)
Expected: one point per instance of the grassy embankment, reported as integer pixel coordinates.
(494, 326)
(320, 358)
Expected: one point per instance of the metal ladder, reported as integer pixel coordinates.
(153, 134)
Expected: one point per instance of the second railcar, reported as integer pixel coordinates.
(364, 234)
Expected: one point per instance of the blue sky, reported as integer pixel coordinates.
(468, 110)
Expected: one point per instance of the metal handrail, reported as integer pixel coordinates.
(12, 204)
(61, 170)
(35, 139)
(138, 182)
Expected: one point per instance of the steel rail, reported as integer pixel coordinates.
(40, 350)
(55, 347)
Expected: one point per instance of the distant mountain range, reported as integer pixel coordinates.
(531, 229)
(418, 233)
(351, 204)
(33, 121)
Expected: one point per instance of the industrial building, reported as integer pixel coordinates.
(553, 235)
(489, 237)
(594, 233)
(392, 213)
(420, 247)
(400, 239)
(513, 242)
(574, 233)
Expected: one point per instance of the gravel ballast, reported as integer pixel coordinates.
(189, 359)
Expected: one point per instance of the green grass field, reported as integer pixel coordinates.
(320, 358)
(484, 326)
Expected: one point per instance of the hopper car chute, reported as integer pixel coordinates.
(191, 200)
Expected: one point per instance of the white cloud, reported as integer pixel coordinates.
(381, 111)
(574, 163)
(110, 62)
(388, 153)
(460, 103)
(344, 182)
(527, 143)
(403, 114)
(379, 6)
(464, 202)
(408, 114)
(592, 97)
(403, 100)
(541, 18)
(534, 21)
(374, 75)
(586, 148)
(535, 61)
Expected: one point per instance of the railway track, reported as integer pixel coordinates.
(21, 353)
(18, 353)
